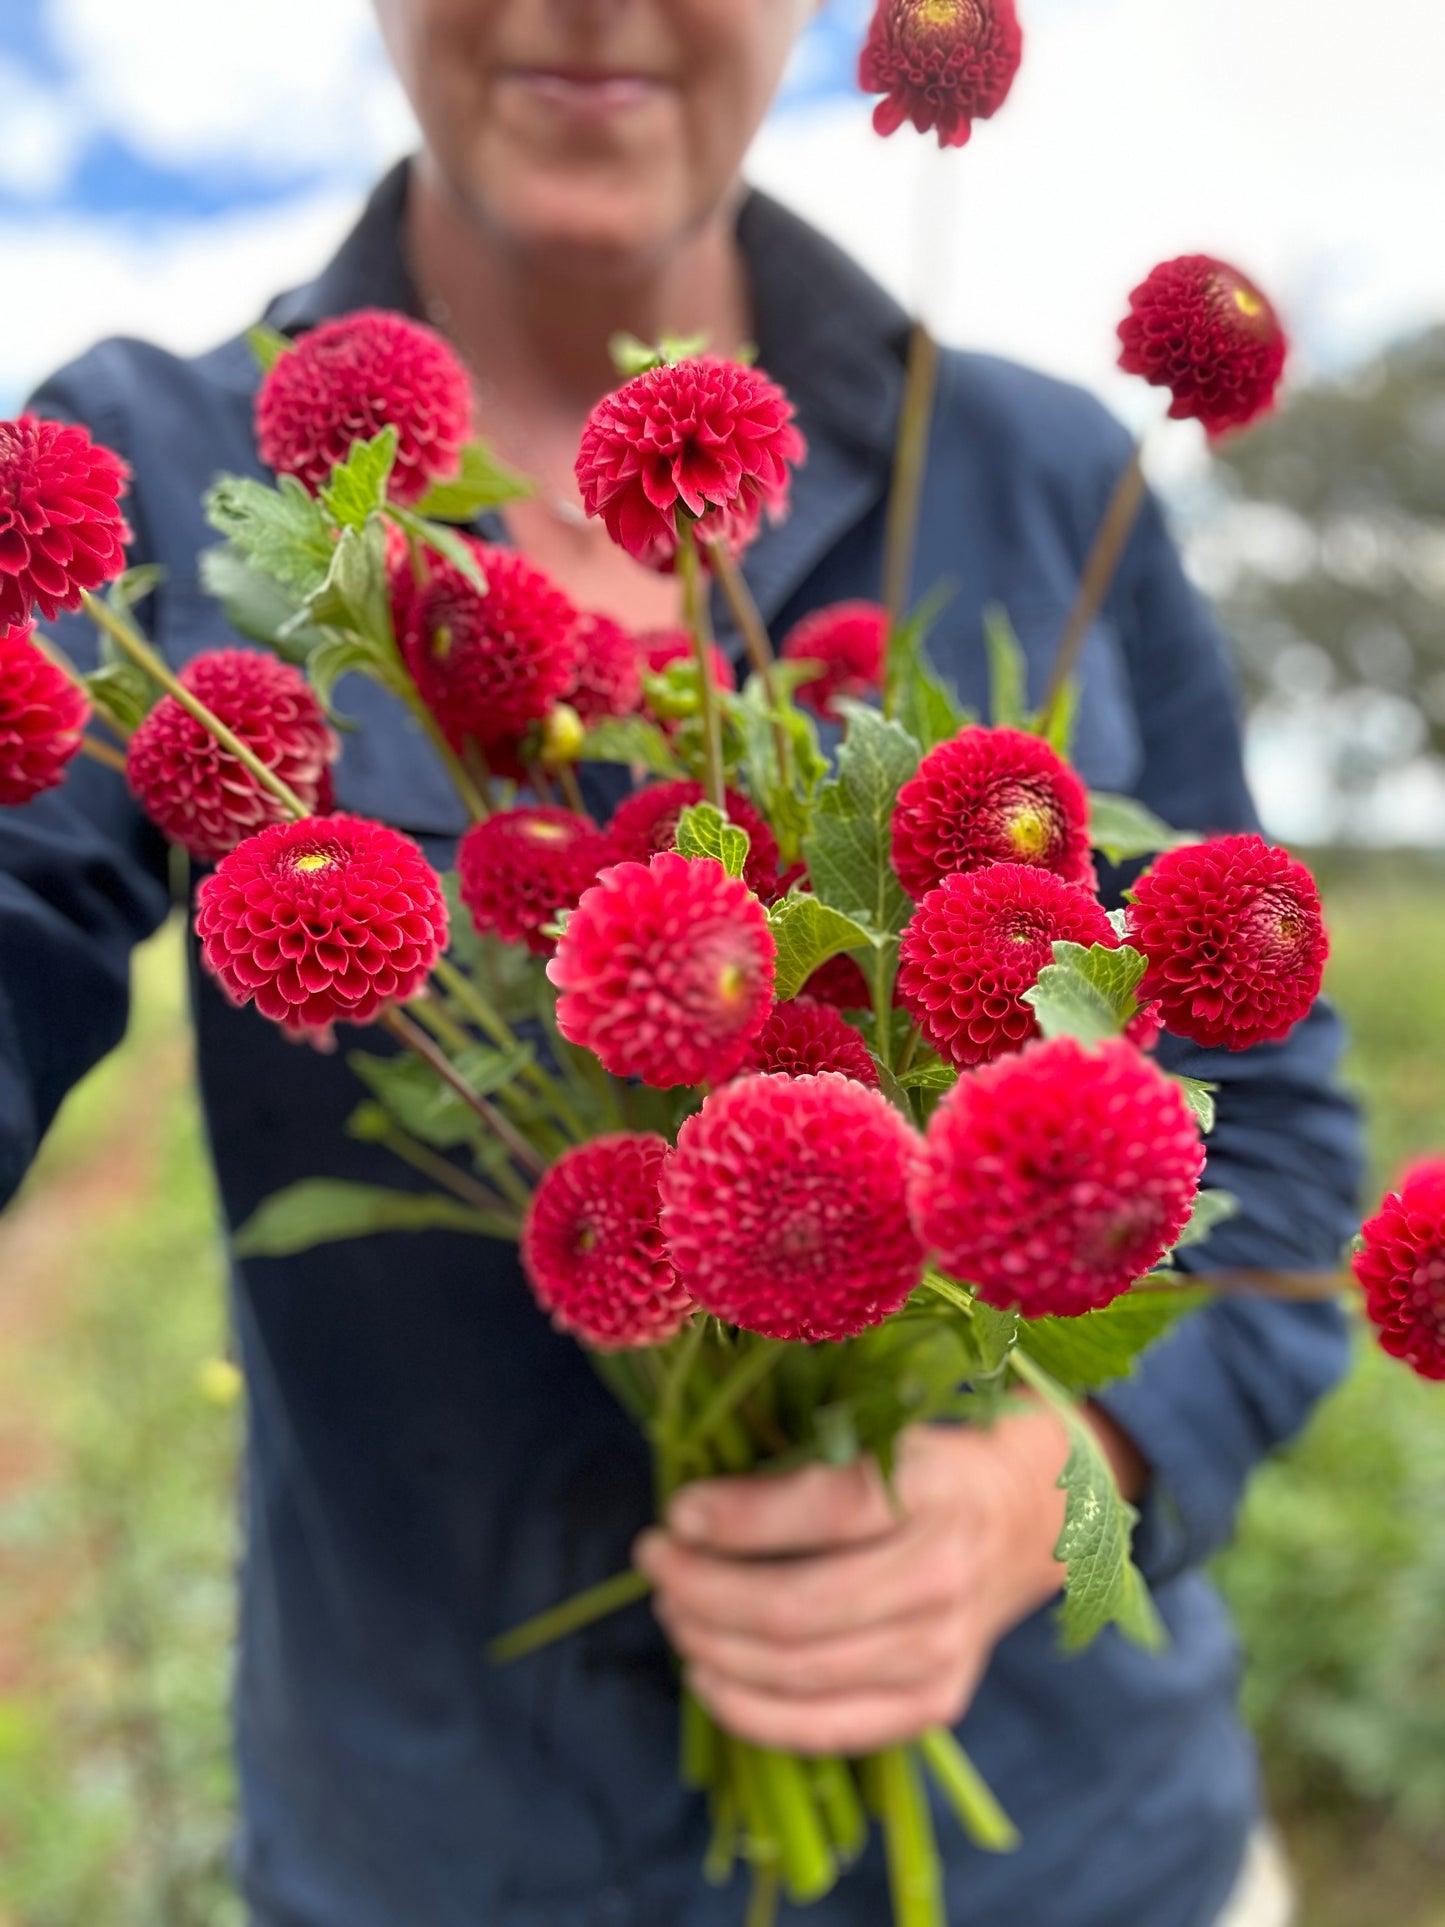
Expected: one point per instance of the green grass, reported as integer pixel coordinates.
(117, 1520)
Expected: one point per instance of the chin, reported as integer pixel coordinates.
(593, 223)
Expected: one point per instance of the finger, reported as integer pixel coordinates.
(851, 1724)
(794, 1601)
(904, 1654)
(804, 1511)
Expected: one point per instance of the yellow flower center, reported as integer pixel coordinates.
(441, 641)
(1248, 304)
(1028, 832)
(731, 983)
(313, 861)
(546, 832)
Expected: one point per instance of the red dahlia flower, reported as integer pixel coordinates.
(593, 1249)
(321, 922)
(197, 793)
(1202, 330)
(1401, 1269)
(991, 796)
(42, 719)
(712, 437)
(1235, 940)
(489, 665)
(977, 942)
(666, 971)
(646, 822)
(940, 63)
(849, 640)
(1054, 1179)
(348, 379)
(61, 529)
(841, 983)
(785, 1207)
(802, 1037)
(520, 867)
(608, 680)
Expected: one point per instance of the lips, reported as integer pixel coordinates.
(577, 90)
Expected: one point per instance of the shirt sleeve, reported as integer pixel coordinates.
(83, 878)
(1238, 1378)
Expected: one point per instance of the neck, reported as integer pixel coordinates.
(537, 332)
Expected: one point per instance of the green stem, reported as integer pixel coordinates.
(695, 616)
(1099, 571)
(915, 1874)
(753, 630)
(838, 1799)
(701, 1751)
(908, 1053)
(490, 1021)
(141, 653)
(967, 1792)
(909, 462)
(100, 752)
(748, 1373)
(805, 1853)
(442, 1171)
(666, 1427)
(882, 987)
(582, 1609)
(416, 1040)
(53, 653)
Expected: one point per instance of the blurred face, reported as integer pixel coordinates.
(590, 130)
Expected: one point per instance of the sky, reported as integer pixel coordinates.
(165, 165)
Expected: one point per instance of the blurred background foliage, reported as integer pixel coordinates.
(119, 1428)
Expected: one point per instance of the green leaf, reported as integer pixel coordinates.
(1102, 1584)
(282, 530)
(354, 594)
(1007, 671)
(1211, 1209)
(357, 487)
(1087, 994)
(1123, 829)
(929, 1077)
(442, 541)
(321, 1211)
(426, 1107)
(1101, 1346)
(631, 357)
(125, 690)
(268, 346)
(787, 806)
(134, 586)
(632, 740)
(336, 656)
(807, 933)
(847, 850)
(1200, 1098)
(703, 831)
(1057, 728)
(257, 605)
(915, 694)
(482, 482)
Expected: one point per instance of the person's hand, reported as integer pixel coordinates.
(815, 1616)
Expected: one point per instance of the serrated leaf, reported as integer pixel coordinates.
(703, 831)
(426, 1107)
(134, 585)
(1101, 1346)
(257, 605)
(283, 531)
(482, 482)
(807, 933)
(1200, 1098)
(1122, 829)
(357, 487)
(354, 594)
(848, 849)
(1087, 994)
(1211, 1209)
(1102, 1585)
(1007, 671)
(442, 541)
(321, 1211)
(268, 345)
(787, 806)
(336, 656)
(632, 740)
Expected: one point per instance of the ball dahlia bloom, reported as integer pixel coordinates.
(608, 677)
(646, 822)
(666, 971)
(198, 794)
(1235, 941)
(849, 641)
(345, 381)
(61, 529)
(1053, 1180)
(711, 437)
(488, 666)
(519, 868)
(941, 64)
(1401, 1269)
(991, 796)
(1204, 331)
(42, 719)
(320, 922)
(840, 982)
(785, 1207)
(803, 1037)
(593, 1249)
(976, 943)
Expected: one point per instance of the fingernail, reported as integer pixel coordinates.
(688, 1514)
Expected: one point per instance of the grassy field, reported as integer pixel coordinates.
(118, 1429)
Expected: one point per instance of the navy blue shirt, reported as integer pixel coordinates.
(428, 1462)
